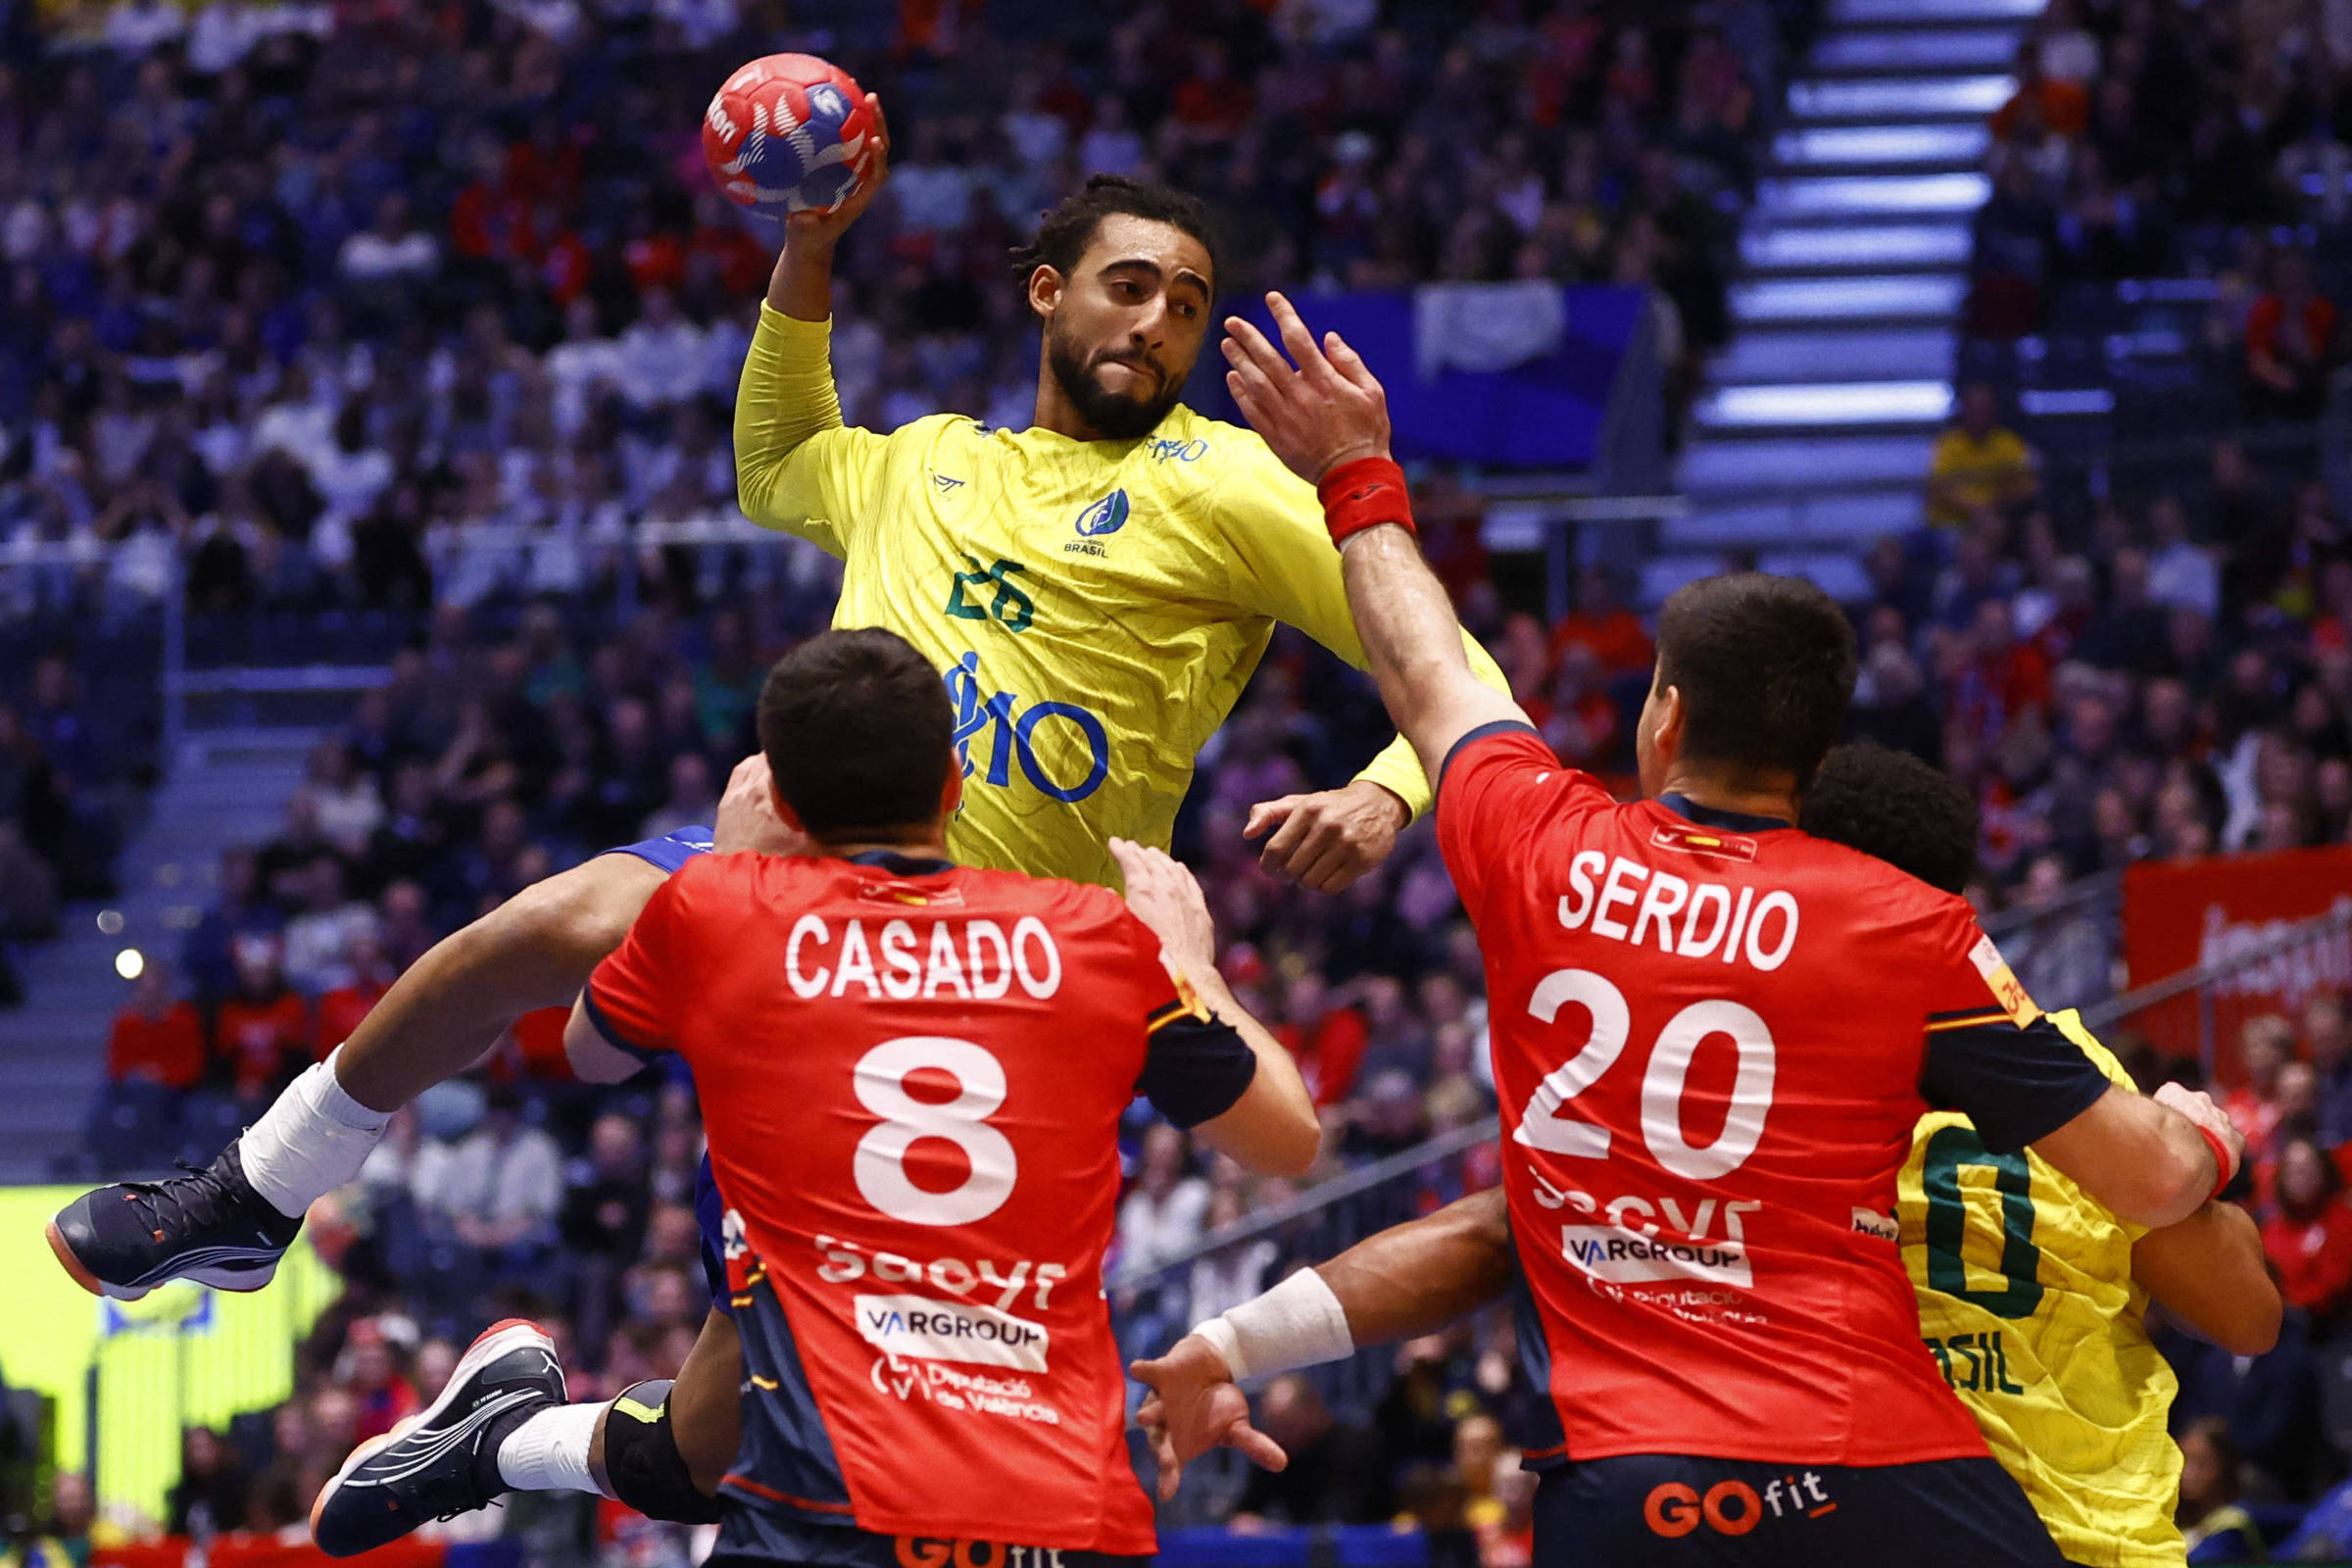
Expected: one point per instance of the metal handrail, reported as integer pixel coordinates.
(2181, 983)
(276, 679)
(1317, 1198)
(2071, 897)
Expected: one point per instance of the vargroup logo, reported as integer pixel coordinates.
(1105, 517)
(923, 1329)
(1625, 1257)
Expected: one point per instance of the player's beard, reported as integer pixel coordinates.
(1113, 416)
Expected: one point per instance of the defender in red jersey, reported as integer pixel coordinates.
(911, 1076)
(1712, 1037)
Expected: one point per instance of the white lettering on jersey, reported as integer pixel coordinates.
(806, 927)
(1047, 978)
(846, 1261)
(1690, 919)
(980, 967)
(944, 969)
(1628, 1245)
(984, 986)
(922, 1328)
(856, 961)
(897, 956)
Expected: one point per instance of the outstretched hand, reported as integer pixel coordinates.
(747, 814)
(1195, 1407)
(1328, 410)
(1166, 898)
(1326, 839)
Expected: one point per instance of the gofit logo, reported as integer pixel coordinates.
(922, 1329)
(1732, 1508)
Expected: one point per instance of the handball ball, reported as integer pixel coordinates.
(790, 132)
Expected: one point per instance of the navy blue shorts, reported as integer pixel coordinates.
(1678, 1513)
(711, 1214)
(824, 1547)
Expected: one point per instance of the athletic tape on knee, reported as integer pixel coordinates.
(1298, 1323)
(643, 1462)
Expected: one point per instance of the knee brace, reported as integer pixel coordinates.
(643, 1462)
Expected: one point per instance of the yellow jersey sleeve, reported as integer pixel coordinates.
(1280, 564)
(797, 467)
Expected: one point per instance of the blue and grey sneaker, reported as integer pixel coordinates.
(206, 1225)
(443, 1462)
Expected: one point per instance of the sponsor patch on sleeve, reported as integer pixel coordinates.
(2003, 982)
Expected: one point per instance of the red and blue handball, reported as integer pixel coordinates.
(790, 134)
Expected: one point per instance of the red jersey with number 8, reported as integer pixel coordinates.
(911, 1077)
(1712, 1036)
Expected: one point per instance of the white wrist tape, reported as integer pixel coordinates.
(1298, 1323)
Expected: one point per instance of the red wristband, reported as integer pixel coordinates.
(1364, 493)
(2221, 1157)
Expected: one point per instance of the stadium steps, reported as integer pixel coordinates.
(225, 787)
(1811, 433)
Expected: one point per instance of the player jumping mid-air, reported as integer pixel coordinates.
(1712, 1037)
(2031, 1293)
(913, 1076)
(662, 1455)
(1098, 590)
(1097, 587)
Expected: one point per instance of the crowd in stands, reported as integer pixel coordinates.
(307, 287)
(2168, 139)
(72, 766)
(305, 291)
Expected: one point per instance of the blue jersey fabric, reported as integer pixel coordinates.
(671, 851)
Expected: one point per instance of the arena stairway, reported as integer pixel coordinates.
(226, 787)
(1811, 433)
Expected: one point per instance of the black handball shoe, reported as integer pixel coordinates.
(208, 1225)
(443, 1462)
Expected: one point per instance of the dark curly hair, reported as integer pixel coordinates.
(1064, 232)
(1915, 817)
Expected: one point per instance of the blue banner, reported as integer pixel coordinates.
(1505, 375)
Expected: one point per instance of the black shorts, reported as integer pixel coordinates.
(1678, 1513)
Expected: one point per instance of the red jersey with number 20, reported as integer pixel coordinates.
(911, 1076)
(1710, 1037)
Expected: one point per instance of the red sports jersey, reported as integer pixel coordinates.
(911, 1077)
(1710, 1039)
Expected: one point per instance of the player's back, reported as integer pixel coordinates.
(2028, 1302)
(1708, 1044)
(911, 1077)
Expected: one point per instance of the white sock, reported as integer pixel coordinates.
(549, 1452)
(311, 1140)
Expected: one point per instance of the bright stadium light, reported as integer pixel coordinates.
(131, 963)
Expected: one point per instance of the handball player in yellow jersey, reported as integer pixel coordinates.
(1097, 588)
(2031, 1295)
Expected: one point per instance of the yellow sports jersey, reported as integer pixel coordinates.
(1097, 606)
(2027, 1300)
